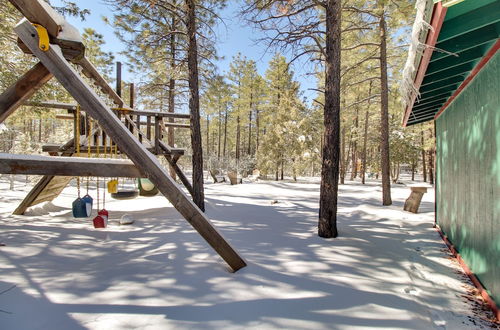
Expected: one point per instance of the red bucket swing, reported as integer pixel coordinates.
(101, 220)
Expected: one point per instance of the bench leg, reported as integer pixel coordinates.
(413, 202)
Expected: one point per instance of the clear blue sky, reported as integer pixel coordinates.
(233, 37)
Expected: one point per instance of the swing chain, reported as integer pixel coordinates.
(77, 142)
(105, 142)
(97, 178)
(89, 130)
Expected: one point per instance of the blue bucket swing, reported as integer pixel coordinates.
(88, 200)
(81, 206)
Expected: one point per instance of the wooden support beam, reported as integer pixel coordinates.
(148, 127)
(169, 124)
(172, 161)
(460, 70)
(431, 105)
(90, 71)
(52, 104)
(23, 89)
(470, 21)
(40, 12)
(436, 92)
(432, 99)
(427, 101)
(447, 63)
(67, 166)
(119, 79)
(457, 79)
(138, 124)
(65, 117)
(60, 32)
(160, 114)
(54, 60)
(146, 113)
(468, 41)
(131, 102)
(425, 112)
(164, 124)
(157, 134)
(30, 198)
(56, 149)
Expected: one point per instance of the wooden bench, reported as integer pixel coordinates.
(412, 203)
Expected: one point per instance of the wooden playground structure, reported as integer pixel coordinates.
(137, 134)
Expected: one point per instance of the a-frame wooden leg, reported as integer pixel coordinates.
(23, 89)
(30, 198)
(54, 60)
(173, 163)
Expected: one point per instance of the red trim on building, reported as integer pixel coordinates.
(471, 76)
(438, 15)
(471, 275)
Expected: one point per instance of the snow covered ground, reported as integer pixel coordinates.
(388, 269)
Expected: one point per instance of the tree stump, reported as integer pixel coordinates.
(233, 178)
(412, 203)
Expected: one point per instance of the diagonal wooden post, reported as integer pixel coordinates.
(55, 62)
(23, 89)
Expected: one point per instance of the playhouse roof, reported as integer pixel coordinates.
(450, 41)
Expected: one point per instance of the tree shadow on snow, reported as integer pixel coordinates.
(292, 274)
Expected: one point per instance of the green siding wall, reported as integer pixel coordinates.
(468, 175)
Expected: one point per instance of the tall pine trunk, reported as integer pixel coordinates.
(250, 125)
(219, 129)
(225, 132)
(431, 158)
(365, 137)
(384, 115)
(282, 168)
(194, 107)
(431, 166)
(424, 165)
(354, 172)
(257, 130)
(171, 90)
(342, 157)
(208, 136)
(365, 142)
(413, 165)
(327, 224)
(238, 138)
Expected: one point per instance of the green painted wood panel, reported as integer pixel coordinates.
(468, 175)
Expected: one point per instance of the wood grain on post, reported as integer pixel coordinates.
(23, 89)
(54, 60)
(67, 166)
(41, 13)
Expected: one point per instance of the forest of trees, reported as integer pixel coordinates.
(251, 120)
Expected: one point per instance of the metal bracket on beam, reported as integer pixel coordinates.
(43, 37)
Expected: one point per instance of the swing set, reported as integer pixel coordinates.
(55, 43)
(82, 206)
